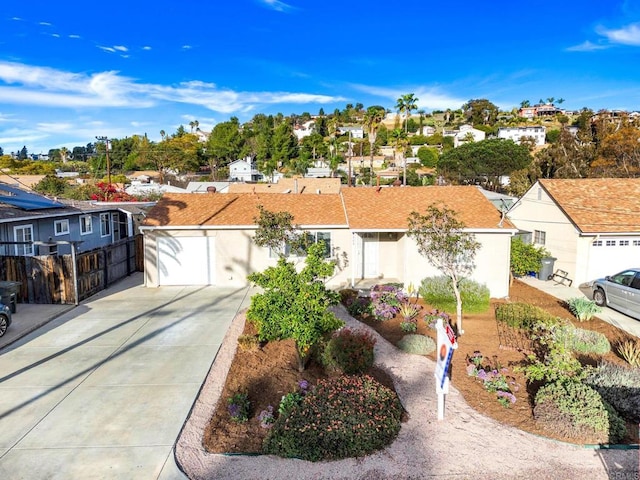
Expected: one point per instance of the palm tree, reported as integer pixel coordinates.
(525, 104)
(550, 100)
(405, 104)
(422, 113)
(192, 124)
(400, 143)
(372, 119)
(64, 151)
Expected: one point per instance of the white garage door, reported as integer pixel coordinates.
(612, 255)
(186, 260)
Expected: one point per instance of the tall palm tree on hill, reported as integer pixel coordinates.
(372, 119)
(406, 104)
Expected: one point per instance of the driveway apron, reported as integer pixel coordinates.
(103, 391)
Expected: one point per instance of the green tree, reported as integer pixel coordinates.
(224, 145)
(405, 105)
(293, 304)
(372, 119)
(284, 144)
(480, 112)
(428, 157)
(400, 143)
(52, 185)
(442, 239)
(484, 162)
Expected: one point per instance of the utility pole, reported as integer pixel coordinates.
(106, 146)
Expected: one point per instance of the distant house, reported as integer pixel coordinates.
(139, 189)
(31, 224)
(356, 131)
(208, 187)
(537, 132)
(590, 225)
(466, 134)
(244, 170)
(304, 130)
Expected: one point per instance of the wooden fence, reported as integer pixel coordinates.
(50, 278)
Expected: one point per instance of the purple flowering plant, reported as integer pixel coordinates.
(386, 301)
(494, 378)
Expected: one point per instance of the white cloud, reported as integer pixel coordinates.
(628, 35)
(120, 48)
(428, 98)
(74, 36)
(277, 5)
(45, 24)
(107, 49)
(55, 35)
(146, 47)
(43, 86)
(586, 46)
(187, 47)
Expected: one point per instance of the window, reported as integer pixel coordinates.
(61, 227)
(610, 243)
(539, 237)
(636, 243)
(623, 243)
(105, 224)
(597, 243)
(23, 233)
(86, 225)
(311, 238)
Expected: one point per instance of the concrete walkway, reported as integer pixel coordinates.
(103, 390)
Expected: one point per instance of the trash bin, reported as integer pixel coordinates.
(546, 268)
(9, 294)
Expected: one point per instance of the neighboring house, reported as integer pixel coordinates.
(26, 182)
(590, 225)
(208, 239)
(139, 189)
(304, 130)
(538, 133)
(244, 170)
(468, 134)
(54, 224)
(208, 187)
(356, 131)
(303, 185)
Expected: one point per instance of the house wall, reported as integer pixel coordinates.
(492, 263)
(537, 211)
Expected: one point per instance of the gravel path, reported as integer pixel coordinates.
(465, 445)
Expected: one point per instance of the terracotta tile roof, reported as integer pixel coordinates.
(288, 185)
(368, 208)
(597, 205)
(373, 208)
(220, 209)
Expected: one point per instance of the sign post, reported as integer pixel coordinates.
(447, 343)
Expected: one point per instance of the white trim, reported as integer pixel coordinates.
(60, 222)
(90, 231)
(27, 250)
(105, 220)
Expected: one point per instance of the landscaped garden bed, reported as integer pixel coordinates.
(269, 372)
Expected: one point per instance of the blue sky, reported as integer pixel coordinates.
(72, 70)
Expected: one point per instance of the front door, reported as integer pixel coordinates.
(370, 255)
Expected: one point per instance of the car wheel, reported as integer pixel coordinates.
(599, 297)
(4, 324)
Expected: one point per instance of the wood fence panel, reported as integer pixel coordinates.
(49, 278)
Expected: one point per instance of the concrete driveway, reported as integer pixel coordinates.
(103, 390)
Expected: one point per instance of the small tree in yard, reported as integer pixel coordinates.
(275, 230)
(441, 238)
(294, 304)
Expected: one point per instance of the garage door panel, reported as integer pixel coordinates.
(186, 260)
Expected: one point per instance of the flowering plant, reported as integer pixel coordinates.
(239, 407)
(266, 417)
(386, 301)
(432, 317)
(494, 379)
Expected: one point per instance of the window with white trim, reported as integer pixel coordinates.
(61, 227)
(539, 237)
(23, 233)
(105, 224)
(597, 243)
(623, 243)
(610, 243)
(636, 243)
(86, 225)
(312, 237)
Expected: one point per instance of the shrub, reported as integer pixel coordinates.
(239, 407)
(386, 300)
(266, 417)
(249, 343)
(349, 351)
(575, 410)
(524, 315)
(417, 344)
(525, 257)
(359, 306)
(348, 416)
(409, 327)
(434, 316)
(289, 401)
(629, 350)
(582, 341)
(409, 311)
(583, 308)
(438, 292)
(618, 385)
